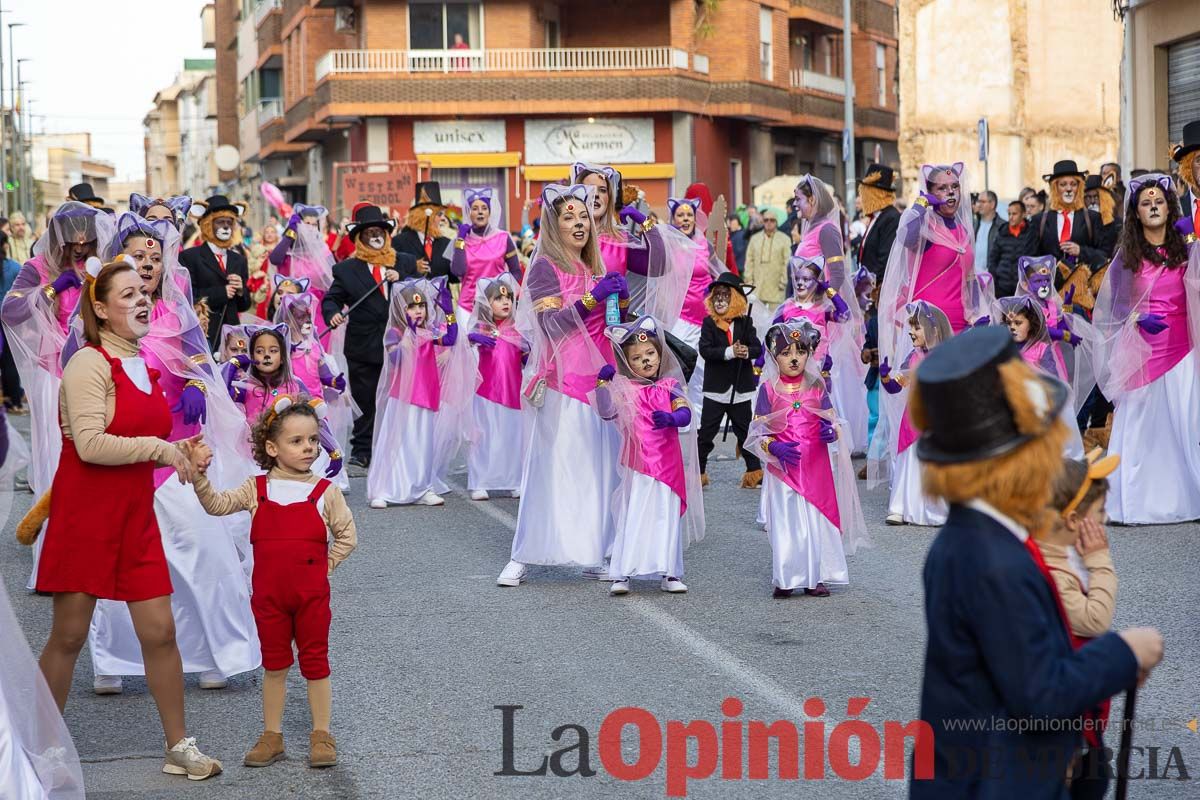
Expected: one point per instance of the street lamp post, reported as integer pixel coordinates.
(3, 160)
(848, 109)
(12, 83)
(23, 200)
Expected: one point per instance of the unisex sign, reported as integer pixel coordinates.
(459, 136)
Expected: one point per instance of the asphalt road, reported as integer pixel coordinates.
(425, 646)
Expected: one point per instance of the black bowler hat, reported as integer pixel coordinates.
(880, 176)
(429, 193)
(1190, 142)
(368, 216)
(1063, 169)
(218, 202)
(964, 401)
(84, 193)
(1092, 182)
(732, 281)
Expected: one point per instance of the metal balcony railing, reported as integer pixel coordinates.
(262, 8)
(807, 79)
(269, 109)
(555, 59)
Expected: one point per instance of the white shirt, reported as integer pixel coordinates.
(286, 492)
(1014, 527)
(135, 370)
(219, 251)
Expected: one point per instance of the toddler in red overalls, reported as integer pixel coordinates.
(293, 513)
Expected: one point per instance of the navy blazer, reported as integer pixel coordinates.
(997, 649)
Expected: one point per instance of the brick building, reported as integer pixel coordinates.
(509, 92)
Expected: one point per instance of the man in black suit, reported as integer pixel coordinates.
(421, 235)
(1187, 155)
(367, 274)
(218, 270)
(878, 195)
(1066, 229)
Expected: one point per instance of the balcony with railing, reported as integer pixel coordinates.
(807, 79)
(515, 60)
(267, 29)
(263, 8)
(269, 109)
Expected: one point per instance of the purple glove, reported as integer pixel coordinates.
(1185, 226)
(242, 360)
(335, 466)
(828, 433)
(1069, 297)
(481, 340)
(463, 230)
(68, 280)
(982, 322)
(827, 364)
(3, 437)
(630, 212)
(885, 369)
(193, 404)
(612, 283)
(822, 286)
(606, 373)
(788, 453)
(1152, 323)
(451, 335)
(933, 200)
(293, 222)
(671, 419)
(445, 299)
(335, 382)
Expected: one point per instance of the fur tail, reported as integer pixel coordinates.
(31, 524)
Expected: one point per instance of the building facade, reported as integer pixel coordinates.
(61, 160)
(181, 133)
(1045, 74)
(510, 92)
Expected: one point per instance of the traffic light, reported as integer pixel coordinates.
(12, 186)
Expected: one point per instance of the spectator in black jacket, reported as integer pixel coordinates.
(1013, 240)
(738, 241)
(729, 346)
(1102, 200)
(878, 206)
(421, 235)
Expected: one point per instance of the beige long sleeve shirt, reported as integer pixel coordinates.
(766, 265)
(87, 401)
(332, 506)
(1090, 612)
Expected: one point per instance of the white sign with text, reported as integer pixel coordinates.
(460, 136)
(603, 141)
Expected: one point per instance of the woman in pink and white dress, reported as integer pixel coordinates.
(482, 248)
(1147, 318)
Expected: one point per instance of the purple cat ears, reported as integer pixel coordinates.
(179, 205)
(485, 194)
(800, 331)
(641, 329)
(299, 283)
(1142, 181)
(928, 169)
(675, 202)
(554, 191)
(1031, 264)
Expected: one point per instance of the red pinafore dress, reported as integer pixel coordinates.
(103, 537)
(291, 586)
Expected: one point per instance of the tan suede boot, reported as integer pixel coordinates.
(752, 479)
(703, 479)
(266, 751)
(322, 751)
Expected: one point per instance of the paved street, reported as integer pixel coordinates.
(425, 645)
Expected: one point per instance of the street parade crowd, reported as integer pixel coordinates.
(979, 365)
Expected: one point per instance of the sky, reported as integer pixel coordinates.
(97, 64)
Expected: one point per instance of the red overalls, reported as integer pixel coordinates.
(291, 587)
(103, 536)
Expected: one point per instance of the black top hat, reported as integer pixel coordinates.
(1092, 182)
(969, 416)
(429, 193)
(1190, 142)
(880, 176)
(1064, 168)
(84, 193)
(368, 216)
(731, 280)
(219, 202)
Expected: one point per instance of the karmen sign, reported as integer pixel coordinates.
(607, 141)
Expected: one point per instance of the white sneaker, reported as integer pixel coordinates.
(672, 585)
(186, 759)
(512, 574)
(213, 679)
(599, 573)
(107, 684)
(516, 492)
(479, 494)
(894, 519)
(430, 498)
(379, 504)
(619, 587)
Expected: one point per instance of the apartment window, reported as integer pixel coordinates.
(270, 84)
(553, 27)
(764, 39)
(806, 51)
(881, 72)
(444, 26)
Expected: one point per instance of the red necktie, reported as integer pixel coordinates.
(221, 261)
(377, 274)
(1196, 214)
(1065, 236)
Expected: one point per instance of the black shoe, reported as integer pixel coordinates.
(779, 594)
(359, 461)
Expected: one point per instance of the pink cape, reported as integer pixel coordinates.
(426, 382)
(572, 350)
(940, 282)
(1168, 299)
(500, 373)
(485, 259)
(694, 310)
(165, 323)
(812, 478)
(68, 299)
(657, 452)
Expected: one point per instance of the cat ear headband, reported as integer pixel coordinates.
(1098, 468)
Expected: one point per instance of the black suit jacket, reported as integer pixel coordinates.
(352, 280)
(407, 241)
(1091, 250)
(1188, 201)
(719, 373)
(997, 649)
(209, 281)
(877, 244)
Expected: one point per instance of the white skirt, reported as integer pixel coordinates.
(849, 398)
(41, 398)
(1156, 429)
(690, 334)
(494, 462)
(907, 499)
(570, 474)
(403, 473)
(214, 626)
(806, 548)
(648, 543)
(1074, 446)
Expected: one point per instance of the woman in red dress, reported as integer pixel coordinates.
(102, 540)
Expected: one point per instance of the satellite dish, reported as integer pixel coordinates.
(226, 157)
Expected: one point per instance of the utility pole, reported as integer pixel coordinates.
(848, 154)
(3, 131)
(12, 117)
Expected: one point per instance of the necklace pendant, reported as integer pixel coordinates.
(796, 405)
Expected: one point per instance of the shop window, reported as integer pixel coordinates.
(445, 26)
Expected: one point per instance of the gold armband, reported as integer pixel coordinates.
(50, 292)
(831, 292)
(450, 320)
(835, 259)
(678, 403)
(600, 382)
(1190, 238)
(921, 201)
(460, 244)
(198, 384)
(199, 358)
(589, 301)
(766, 443)
(335, 455)
(623, 303)
(550, 303)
